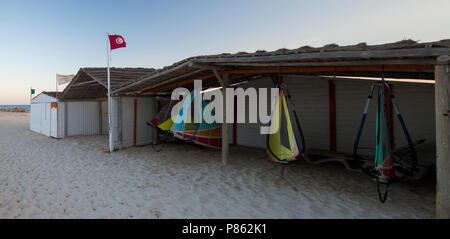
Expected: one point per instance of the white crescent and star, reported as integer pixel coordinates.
(119, 40)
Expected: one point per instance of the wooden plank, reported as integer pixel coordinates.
(159, 84)
(421, 61)
(224, 82)
(442, 93)
(94, 78)
(175, 84)
(153, 75)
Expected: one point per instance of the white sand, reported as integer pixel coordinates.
(42, 177)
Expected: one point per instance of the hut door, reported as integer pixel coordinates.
(54, 119)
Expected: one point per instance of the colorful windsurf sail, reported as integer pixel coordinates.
(203, 133)
(163, 119)
(282, 144)
(382, 171)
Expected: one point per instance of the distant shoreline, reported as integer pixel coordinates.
(17, 110)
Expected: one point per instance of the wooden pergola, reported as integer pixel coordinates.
(405, 59)
(91, 82)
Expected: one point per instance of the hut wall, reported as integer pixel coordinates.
(105, 117)
(416, 102)
(45, 116)
(310, 97)
(144, 113)
(36, 116)
(82, 118)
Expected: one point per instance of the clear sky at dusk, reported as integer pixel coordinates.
(41, 38)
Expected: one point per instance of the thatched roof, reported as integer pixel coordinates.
(92, 82)
(403, 59)
(406, 52)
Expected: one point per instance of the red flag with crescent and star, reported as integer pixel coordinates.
(116, 41)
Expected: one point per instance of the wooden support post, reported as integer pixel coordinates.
(224, 82)
(155, 112)
(332, 112)
(389, 116)
(442, 92)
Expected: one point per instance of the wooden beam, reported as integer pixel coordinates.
(224, 82)
(292, 70)
(152, 76)
(163, 83)
(175, 84)
(332, 113)
(442, 93)
(94, 78)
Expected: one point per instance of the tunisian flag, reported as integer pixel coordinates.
(116, 41)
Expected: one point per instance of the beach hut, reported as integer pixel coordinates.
(45, 114)
(86, 106)
(328, 85)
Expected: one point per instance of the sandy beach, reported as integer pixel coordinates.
(42, 177)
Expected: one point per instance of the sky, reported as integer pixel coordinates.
(41, 38)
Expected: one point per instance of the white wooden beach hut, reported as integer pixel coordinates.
(45, 114)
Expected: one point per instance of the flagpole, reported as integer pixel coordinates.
(108, 52)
